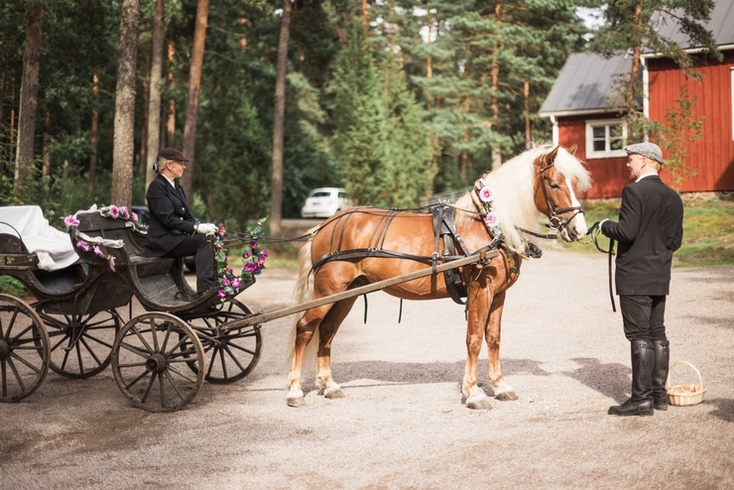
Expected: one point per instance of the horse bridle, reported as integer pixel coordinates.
(555, 220)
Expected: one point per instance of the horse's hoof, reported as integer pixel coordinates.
(331, 395)
(295, 402)
(506, 396)
(481, 404)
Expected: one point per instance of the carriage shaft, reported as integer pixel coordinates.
(368, 288)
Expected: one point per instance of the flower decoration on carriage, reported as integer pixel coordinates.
(121, 212)
(97, 245)
(492, 219)
(230, 284)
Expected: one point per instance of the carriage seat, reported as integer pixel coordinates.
(157, 281)
(52, 247)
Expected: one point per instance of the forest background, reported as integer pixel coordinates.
(395, 100)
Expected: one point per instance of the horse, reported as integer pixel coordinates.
(502, 212)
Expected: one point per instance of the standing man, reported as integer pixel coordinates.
(649, 230)
(173, 231)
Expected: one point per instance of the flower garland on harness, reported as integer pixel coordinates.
(492, 221)
(253, 257)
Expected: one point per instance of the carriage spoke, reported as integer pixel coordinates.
(18, 378)
(150, 386)
(135, 381)
(173, 385)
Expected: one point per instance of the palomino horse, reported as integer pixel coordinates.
(540, 180)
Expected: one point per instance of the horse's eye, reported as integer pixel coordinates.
(555, 186)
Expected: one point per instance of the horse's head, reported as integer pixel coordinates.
(558, 175)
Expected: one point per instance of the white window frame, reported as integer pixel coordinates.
(608, 152)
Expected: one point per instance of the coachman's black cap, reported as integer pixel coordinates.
(172, 154)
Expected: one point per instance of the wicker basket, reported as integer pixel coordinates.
(685, 395)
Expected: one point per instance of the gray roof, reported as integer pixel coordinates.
(721, 26)
(585, 84)
(587, 80)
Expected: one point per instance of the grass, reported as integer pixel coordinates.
(708, 232)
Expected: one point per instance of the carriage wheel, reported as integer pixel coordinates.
(24, 349)
(148, 362)
(233, 352)
(81, 344)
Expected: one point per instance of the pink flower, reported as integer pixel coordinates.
(71, 221)
(226, 282)
(236, 283)
(253, 245)
(124, 213)
(493, 220)
(114, 211)
(98, 251)
(134, 217)
(486, 194)
(83, 245)
(221, 293)
(264, 252)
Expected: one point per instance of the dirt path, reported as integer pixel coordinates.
(402, 423)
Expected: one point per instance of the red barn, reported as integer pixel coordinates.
(578, 105)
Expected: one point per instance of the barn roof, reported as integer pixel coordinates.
(721, 26)
(585, 84)
(587, 80)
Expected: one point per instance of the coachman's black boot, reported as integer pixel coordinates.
(660, 374)
(641, 402)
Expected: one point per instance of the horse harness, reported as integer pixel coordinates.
(443, 228)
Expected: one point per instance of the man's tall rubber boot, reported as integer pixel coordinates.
(641, 402)
(660, 374)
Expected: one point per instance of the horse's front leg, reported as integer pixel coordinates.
(502, 390)
(478, 316)
(327, 330)
(303, 331)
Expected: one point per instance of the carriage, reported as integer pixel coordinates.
(80, 319)
(161, 358)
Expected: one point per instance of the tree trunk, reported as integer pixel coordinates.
(94, 139)
(46, 169)
(28, 101)
(154, 101)
(171, 119)
(495, 74)
(124, 138)
(192, 106)
(276, 193)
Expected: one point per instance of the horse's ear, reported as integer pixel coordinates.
(551, 157)
(573, 149)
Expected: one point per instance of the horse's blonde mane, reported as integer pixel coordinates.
(512, 184)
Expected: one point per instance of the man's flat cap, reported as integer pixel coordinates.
(645, 149)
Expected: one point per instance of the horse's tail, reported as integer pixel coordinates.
(303, 293)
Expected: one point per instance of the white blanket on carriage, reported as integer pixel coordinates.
(53, 247)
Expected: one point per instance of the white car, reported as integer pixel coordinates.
(324, 202)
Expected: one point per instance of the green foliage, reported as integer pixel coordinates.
(680, 131)
(12, 286)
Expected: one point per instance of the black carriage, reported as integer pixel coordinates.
(74, 324)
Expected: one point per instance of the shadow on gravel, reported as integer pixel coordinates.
(611, 380)
(724, 408)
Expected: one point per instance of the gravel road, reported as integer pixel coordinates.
(402, 424)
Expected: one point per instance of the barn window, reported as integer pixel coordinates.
(605, 138)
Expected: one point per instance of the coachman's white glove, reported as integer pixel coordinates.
(206, 228)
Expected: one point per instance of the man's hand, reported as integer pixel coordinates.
(206, 228)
